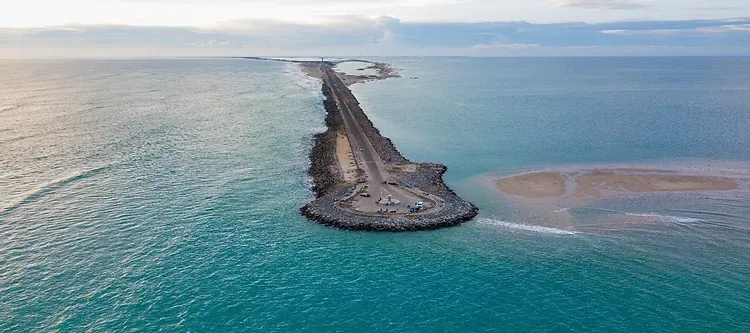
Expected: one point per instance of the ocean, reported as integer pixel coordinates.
(164, 195)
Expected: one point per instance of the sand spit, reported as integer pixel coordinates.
(599, 183)
(384, 71)
(534, 185)
(312, 69)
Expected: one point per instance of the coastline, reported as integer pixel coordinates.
(331, 187)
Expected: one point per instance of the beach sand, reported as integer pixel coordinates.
(533, 185)
(384, 71)
(599, 183)
(345, 157)
(594, 184)
(311, 69)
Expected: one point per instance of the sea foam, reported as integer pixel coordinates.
(526, 227)
(666, 218)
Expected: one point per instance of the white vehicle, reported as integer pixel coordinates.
(420, 204)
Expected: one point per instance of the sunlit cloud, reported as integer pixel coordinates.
(385, 35)
(714, 29)
(604, 4)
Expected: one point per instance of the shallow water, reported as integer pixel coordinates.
(163, 195)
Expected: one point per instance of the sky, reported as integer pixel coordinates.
(156, 28)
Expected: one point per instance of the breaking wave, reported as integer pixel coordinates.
(526, 227)
(666, 218)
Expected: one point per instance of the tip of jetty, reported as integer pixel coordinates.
(346, 204)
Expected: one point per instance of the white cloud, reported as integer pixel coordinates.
(623, 32)
(717, 29)
(725, 29)
(211, 43)
(603, 4)
(503, 46)
(354, 35)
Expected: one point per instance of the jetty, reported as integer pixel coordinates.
(362, 182)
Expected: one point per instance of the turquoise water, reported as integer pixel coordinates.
(163, 195)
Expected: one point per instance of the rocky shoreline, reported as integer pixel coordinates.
(325, 174)
(329, 186)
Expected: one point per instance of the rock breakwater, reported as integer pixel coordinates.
(324, 172)
(330, 188)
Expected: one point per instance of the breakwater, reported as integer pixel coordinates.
(330, 188)
(324, 172)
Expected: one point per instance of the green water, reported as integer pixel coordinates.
(163, 195)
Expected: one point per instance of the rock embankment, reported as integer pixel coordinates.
(330, 188)
(325, 174)
(323, 210)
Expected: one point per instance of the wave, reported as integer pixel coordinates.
(711, 214)
(527, 227)
(659, 217)
(666, 218)
(50, 188)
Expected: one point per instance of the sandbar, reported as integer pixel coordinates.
(345, 157)
(533, 185)
(599, 183)
(384, 71)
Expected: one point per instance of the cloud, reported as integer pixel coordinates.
(715, 29)
(387, 36)
(211, 43)
(503, 46)
(729, 28)
(603, 4)
(643, 32)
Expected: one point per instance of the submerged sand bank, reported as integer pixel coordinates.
(595, 183)
(598, 183)
(533, 185)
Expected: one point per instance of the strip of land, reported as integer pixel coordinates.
(389, 192)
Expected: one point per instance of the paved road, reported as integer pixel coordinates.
(364, 152)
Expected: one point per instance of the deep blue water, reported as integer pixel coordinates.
(146, 195)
